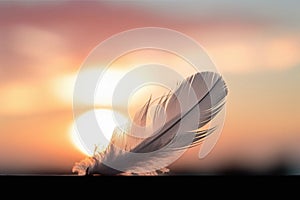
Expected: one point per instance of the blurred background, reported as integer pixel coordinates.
(254, 44)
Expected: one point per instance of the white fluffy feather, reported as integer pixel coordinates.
(178, 123)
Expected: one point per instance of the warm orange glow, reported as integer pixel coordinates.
(250, 53)
(11, 96)
(282, 52)
(43, 45)
(62, 87)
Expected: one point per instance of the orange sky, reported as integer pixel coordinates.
(42, 46)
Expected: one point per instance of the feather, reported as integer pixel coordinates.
(156, 139)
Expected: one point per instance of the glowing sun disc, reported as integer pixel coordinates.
(106, 122)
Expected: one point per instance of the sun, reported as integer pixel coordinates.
(95, 135)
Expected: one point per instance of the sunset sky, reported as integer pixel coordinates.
(255, 46)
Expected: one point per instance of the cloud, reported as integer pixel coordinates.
(244, 53)
(41, 43)
(32, 52)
